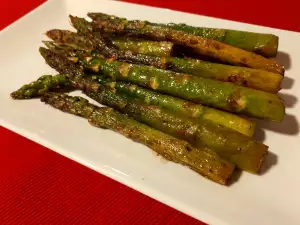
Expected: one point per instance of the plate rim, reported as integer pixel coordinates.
(138, 186)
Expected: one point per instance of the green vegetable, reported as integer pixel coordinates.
(60, 82)
(221, 95)
(207, 47)
(183, 107)
(203, 161)
(263, 44)
(80, 42)
(42, 85)
(253, 78)
(247, 77)
(154, 48)
(239, 149)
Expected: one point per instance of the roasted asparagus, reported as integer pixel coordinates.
(221, 95)
(248, 77)
(238, 148)
(203, 161)
(208, 47)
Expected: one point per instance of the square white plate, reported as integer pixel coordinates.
(272, 198)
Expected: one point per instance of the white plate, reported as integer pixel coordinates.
(272, 198)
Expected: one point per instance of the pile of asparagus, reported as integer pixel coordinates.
(178, 89)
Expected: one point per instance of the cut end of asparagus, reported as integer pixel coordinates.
(270, 48)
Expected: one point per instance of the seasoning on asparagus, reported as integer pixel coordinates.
(248, 77)
(263, 44)
(203, 161)
(208, 92)
(235, 147)
(42, 85)
(108, 50)
(154, 48)
(208, 47)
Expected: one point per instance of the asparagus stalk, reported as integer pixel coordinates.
(42, 85)
(263, 44)
(108, 50)
(243, 76)
(183, 107)
(221, 95)
(203, 161)
(73, 39)
(208, 47)
(240, 149)
(248, 77)
(154, 48)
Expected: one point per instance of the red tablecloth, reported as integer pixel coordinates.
(38, 186)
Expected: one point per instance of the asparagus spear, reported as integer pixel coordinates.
(239, 149)
(154, 48)
(203, 161)
(208, 47)
(263, 44)
(183, 107)
(221, 95)
(180, 106)
(39, 87)
(247, 77)
(108, 50)
(71, 38)
(253, 78)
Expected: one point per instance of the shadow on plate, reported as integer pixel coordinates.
(270, 161)
(287, 83)
(289, 126)
(284, 59)
(289, 100)
(235, 177)
(259, 134)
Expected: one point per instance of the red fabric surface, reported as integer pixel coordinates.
(38, 186)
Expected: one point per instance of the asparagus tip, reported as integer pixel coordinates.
(54, 34)
(15, 95)
(80, 24)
